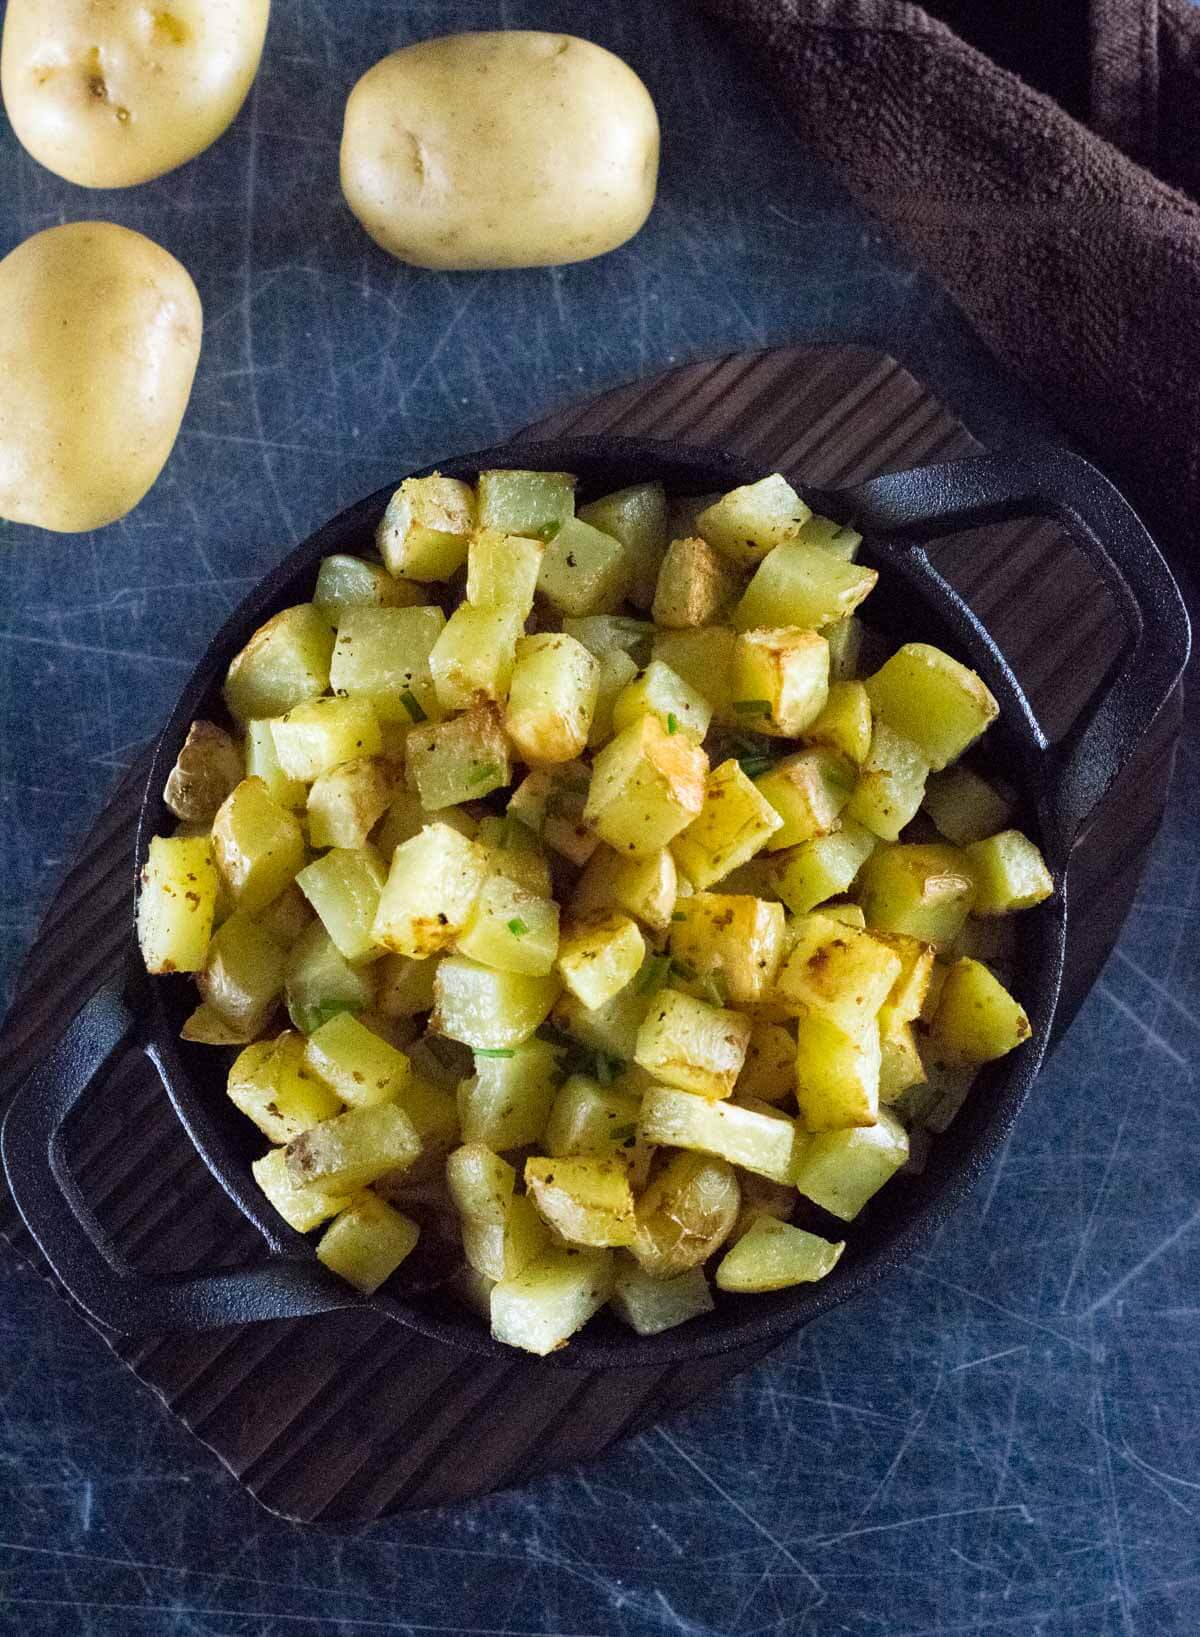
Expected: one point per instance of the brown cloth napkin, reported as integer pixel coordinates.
(1066, 246)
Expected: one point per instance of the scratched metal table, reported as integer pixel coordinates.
(1004, 1440)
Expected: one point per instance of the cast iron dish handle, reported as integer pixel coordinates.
(116, 1295)
(905, 508)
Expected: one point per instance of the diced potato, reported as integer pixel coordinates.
(599, 956)
(762, 1198)
(926, 696)
(704, 659)
(746, 523)
(367, 1242)
(382, 659)
(344, 887)
(916, 966)
(644, 887)
(443, 1063)
(584, 570)
(552, 697)
(900, 1064)
(481, 1184)
(353, 582)
(847, 640)
(588, 1118)
(503, 1250)
(847, 914)
(541, 1309)
(646, 786)
(463, 759)
(405, 985)
(838, 538)
(584, 1197)
(360, 1067)
(660, 692)
(780, 679)
(424, 531)
(820, 869)
(837, 1073)
(430, 892)
(769, 1072)
(263, 763)
(1009, 874)
(207, 768)
(270, 1084)
(687, 1043)
(352, 1149)
(976, 1019)
(511, 929)
(837, 972)
(650, 1306)
(773, 1255)
(735, 822)
(502, 571)
(472, 659)
(243, 975)
(529, 503)
(489, 1010)
(603, 634)
(891, 783)
(687, 1212)
(844, 725)
(841, 1170)
(346, 803)
(258, 845)
(694, 584)
(965, 806)
(798, 584)
(507, 1101)
(406, 818)
(611, 1029)
(924, 891)
(731, 940)
(765, 1143)
(285, 662)
(637, 517)
(808, 791)
(176, 902)
(322, 733)
(206, 1027)
(319, 981)
(301, 1208)
(516, 852)
(434, 1114)
(933, 995)
(616, 671)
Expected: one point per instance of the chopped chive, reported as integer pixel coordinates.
(679, 916)
(607, 1068)
(754, 766)
(752, 707)
(517, 927)
(672, 722)
(413, 706)
(549, 530)
(654, 974)
(712, 990)
(494, 1051)
(481, 775)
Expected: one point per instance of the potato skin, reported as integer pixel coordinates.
(109, 93)
(99, 339)
(505, 149)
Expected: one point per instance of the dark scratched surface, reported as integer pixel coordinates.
(1004, 1439)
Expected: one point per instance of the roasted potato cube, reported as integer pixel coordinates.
(965, 806)
(837, 1073)
(243, 975)
(821, 868)
(637, 517)
(262, 762)
(685, 1214)
(511, 929)
(848, 914)
(367, 1242)
(611, 1029)
(406, 818)
(404, 985)
(502, 572)
(301, 1208)
(516, 852)
(319, 981)
(924, 891)
(344, 887)
(528, 503)
(808, 791)
(423, 533)
(541, 1308)
(687, 1043)
(382, 658)
(798, 584)
(891, 783)
(649, 1305)
(837, 972)
(976, 1018)
(353, 582)
(769, 1072)
(604, 634)
(1009, 874)
(907, 994)
(361, 1068)
(735, 822)
(584, 1197)
(204, 1026)
(346, 803)
(773, 1255)
(481, 1184)
(434, 1114)
(933, 700)
(472, 659)
(616, 670)
(506, 1103)
(841, 1170)
(258, 845)
(320, 734)
(731, 940)
(489, 1010)
(704, 659)
(463, 759)
(780, 679)
(646, 786)
(272, 1087)
(588, 1118)
(762, 1198)
(847, 639)
(352, 1149)
(285, 662)
(176, 902)
(503, 1250)
(900, 1064)
(837, 538)
(599, 956)
(206, 770)
(660, 692)
(765, 1143)
(431, 890)
(552, 697)
(549, 802)
(694, 584)
(844, 725)
(746, 523)
(584, 570)
(644, 887)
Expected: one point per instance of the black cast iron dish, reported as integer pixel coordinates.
(1061, 785)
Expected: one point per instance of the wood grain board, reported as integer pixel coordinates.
(349, 1416)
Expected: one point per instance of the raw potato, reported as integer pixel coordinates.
(507, 149)
(99, 340)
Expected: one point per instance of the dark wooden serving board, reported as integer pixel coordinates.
(349, 1416)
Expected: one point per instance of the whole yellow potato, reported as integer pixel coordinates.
(112, 92)
(99, 338)
(505, 149)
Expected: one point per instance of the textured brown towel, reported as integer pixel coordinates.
(1080, 268)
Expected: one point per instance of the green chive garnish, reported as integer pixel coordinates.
(413, 706)
(672, 722)
(754, 766)
(517, 927)
(654, 974)
(712, 990)
(752, 707)
(494, 1051)
(679, 916)
(549, 530)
